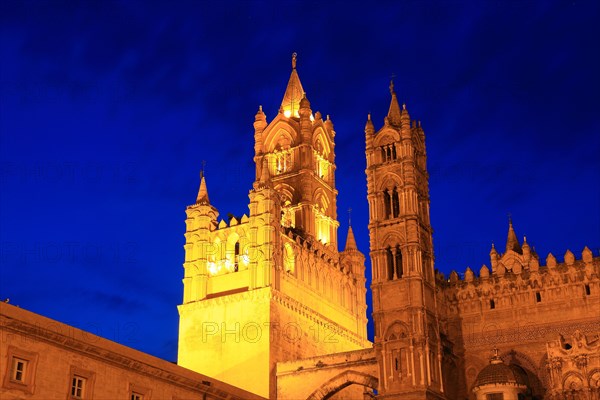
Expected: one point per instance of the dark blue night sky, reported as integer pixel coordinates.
(109, 108)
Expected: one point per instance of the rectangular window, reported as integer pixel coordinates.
(587, 290)
(19, 369)
(495, 396)
(77, 387)
(137, 392)
(137, 396)
(492, 304)
(82, 383)
(20, 372)
(538, 297)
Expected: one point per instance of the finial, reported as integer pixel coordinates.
(404, 106)
(509, 218)
(294, 57)
(369, 117)
(392, 85)
(350, 216)
(202, 170)
(327, 117)
(495, 357)
(260, 108)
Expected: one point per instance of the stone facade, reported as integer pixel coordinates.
(45, 359)
(272, 309)
(516, 330)
(271, 286)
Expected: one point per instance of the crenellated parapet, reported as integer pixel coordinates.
(518, 281)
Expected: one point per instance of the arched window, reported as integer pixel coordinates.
(395, 204)
(391, 203)
(236, 257)
(399, 270)
(390, 263)
(387, 204)
(388, 152)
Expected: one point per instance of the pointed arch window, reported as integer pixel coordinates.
(236, 257)
(387, 202)
(390, 263)
(391, 203)
(393, 257)
(395, 204)
(398, 262)
(388, 152)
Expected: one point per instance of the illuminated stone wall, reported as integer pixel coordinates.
(271, 286)
(271, 305)
(520, 307)
(41, 357)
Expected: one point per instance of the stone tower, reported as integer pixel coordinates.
(271, 285)
(407, 340)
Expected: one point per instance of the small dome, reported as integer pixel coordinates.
(498, 372)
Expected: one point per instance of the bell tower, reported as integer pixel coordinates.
(299, 149)
(271, 285)
(407, 341)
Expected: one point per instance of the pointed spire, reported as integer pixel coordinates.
(393, 116)
(512, 243)
(294, 93)
(260, 114)
(493, 250)
(369, 127)
(350, 241)
(265, 176)
(203, 192)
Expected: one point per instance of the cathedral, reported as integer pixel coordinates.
(272, 309)
(272, 306)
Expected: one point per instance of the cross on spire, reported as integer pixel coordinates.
(350, 216)
(202, 170)
(392, 77)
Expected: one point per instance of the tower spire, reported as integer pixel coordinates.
(203, 192)
(294, 92)
(512, 243)
(350, 241)
(393, 116)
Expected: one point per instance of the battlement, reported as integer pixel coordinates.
(522, 285)
(233, 221)
(587, 263)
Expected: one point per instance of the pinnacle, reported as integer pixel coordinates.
(512, 243)
(394, 113)
(294, 93)
(203, 192)
(350, 241)
(265, 176)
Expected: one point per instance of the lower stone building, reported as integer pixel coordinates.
(44, 359)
